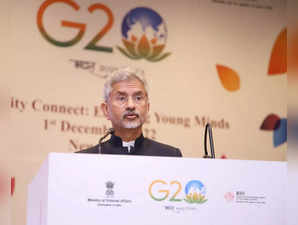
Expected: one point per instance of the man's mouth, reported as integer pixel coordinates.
(131, 116)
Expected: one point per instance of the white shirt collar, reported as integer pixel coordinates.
(129, 144)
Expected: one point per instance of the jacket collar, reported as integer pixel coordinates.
(117, 141)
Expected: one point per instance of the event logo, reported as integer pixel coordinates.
(109, 191)
(144, 35)
(195, 191)
(241, 197)
(109, 200)
(229, 196)
(144, 32)
(81, 27)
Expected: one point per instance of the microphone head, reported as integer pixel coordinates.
(110, 131)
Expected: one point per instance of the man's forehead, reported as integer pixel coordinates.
(126, 86)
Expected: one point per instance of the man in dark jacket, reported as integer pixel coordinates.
(126, 105)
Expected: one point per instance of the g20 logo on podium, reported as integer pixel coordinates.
(194, 191)
(144, 32)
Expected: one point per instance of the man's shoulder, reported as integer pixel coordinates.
(158, 144)
(163, 149)
(93, 149)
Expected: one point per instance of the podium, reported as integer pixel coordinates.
(93, 189)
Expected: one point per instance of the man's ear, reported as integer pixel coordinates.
(105, 110)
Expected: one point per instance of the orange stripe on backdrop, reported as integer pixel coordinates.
(278, 59)
(293, 52)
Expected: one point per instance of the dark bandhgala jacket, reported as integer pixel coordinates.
(143, 146)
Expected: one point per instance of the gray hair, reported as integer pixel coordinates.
(123, 74)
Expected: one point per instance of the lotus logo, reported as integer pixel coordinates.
(144, 35)
(195, 192)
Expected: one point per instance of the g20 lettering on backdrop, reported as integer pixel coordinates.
(144, 32)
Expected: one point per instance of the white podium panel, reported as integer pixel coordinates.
(80, 189)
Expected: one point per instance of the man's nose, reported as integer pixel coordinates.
(130, 103)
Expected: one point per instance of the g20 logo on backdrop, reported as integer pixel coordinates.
(194, 191)
(143, 30)
(81, 27)
(144, 34)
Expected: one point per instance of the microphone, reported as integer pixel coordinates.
(208, 130)
(110, 131)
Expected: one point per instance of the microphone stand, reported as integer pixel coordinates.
(110, 131)
(208, 129)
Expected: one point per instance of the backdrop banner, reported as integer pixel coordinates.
(218, 62)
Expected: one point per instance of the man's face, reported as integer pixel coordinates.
(128, 105)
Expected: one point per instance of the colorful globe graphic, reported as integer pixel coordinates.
(144, 35)
(195, 192)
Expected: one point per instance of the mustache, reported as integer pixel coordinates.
(130, 113)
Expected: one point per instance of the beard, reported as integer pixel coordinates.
(125, 122)
(137, 122)
(131, 124)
